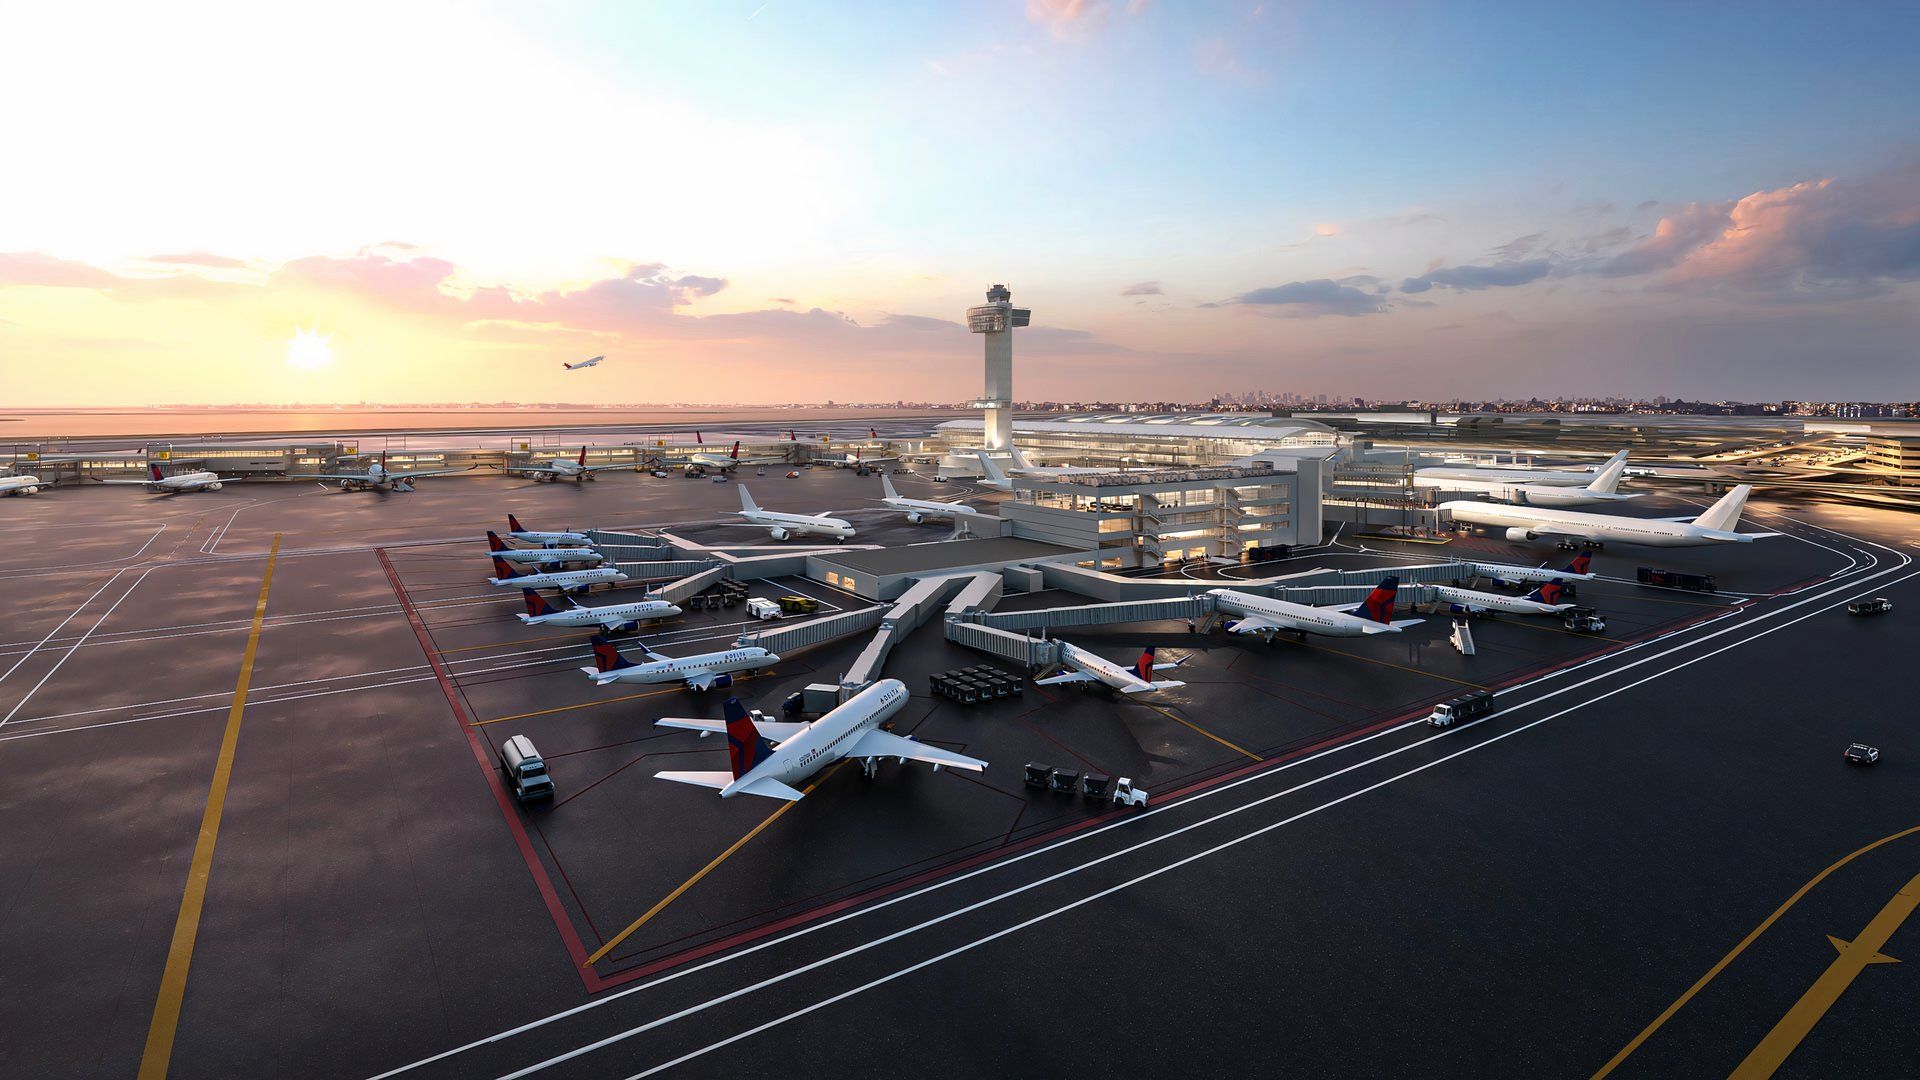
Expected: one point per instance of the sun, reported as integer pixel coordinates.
(308, 349)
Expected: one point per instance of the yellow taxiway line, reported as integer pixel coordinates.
(602, 701)
(186, 927)
(1181, 720)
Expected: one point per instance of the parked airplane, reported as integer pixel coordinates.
(610, 619)
(541, 556)
(567, 581)
(550, 539)
(1717, 525)
(1549, 477)
(21, 484)
(159, 483)
(771, 757)
(702, 672)
(582, 364)
(1544, 600)
(1604, 488)
(1580, 569)
(1025, 466)
(781, 525)
(377, 477)
(1266, 616)
(918, 510)
(726, 462)
(575, 469)
(1086, 667)
(858, 457)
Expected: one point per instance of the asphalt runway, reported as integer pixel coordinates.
(1322, 885)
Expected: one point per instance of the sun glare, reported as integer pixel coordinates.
(308, 349)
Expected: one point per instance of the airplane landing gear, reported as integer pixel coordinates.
(869, 768)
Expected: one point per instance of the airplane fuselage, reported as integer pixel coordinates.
(20, 485)
(688, 669)
(612, 615)
(553, 538)
(825, 740)
(1530, 523)
(1103, 669)
(1521, 494)
(549, 555)
(785, 525)
(1541, 477)
(1517, 575)
(918, 510)
(1326, 622)
(561, 579)
(1486, 601)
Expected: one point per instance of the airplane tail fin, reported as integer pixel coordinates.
(494, 543)
(886, 486)
(513, 524)
(735, 452)
(1609, 479)
(503, 571)
(1725, 514)
(536, 604)
(746, 500)
(1548, 593)
(992, 468)
(155, 470)
(1581, 564)
(582, 459)
(1143, 667)
(872, 434)
(697, 440)
(1020, 457)
(1378, 606)
(746, 747)
(606, 656)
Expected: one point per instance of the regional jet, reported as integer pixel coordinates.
(377, 477)
(541, 556)
(582, 364)
(567, 581)
(772, 758)
(702, 672)
(781, 525)
(726, 462)
(161, 484)
(1544, 600)
(546, 539)
(1549, 477)
(1266, 616)
(560, 468)
(1604, 488)
(1086, 667)
(1580, 569)
(611, 618)
(918, 510)
(1719, 524)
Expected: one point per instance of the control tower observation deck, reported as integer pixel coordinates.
(997, 319)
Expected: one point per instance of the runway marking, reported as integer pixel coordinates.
(1700, 984)
(1854, 957)
(186, 927)
(1181, 720)
(68, 655)
(111, 578)
(656, 909)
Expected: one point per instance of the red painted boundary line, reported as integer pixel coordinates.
(568, 935)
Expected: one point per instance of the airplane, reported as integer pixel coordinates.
(567, 581)
(918, 510)
(551, 539)
(541, 556)
(162, 484)
(1025, 466)
(771, 757)
(21, 484)
(1086, 667)
(582, 364)
(1580, 569)
(1604, 488)
(726, 462)
(377, 478)
(991, 474)
(1718, 524)
(782, 525)
(611, 618)
(853, 460)
(1266, 616)
(575, 469)
(1548, 477)
(702, 672)
(1544, 600)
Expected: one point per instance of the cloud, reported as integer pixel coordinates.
(1308, 299)
(1067, 19)
(1144, 288)
(1472, 278)
(199, 258)
(39, 268)
(1519, 247)
(695, 285)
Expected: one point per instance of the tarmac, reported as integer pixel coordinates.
(1590, 880)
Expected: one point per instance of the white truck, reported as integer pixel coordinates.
(763, 609)
(526, 770)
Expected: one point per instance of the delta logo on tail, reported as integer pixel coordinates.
(156, 471)
(513, 524)
(1378, 606)
(1580, 563)
(536, 604)
(1548, 593)
(735, 452)
(494, 543)
(502, 570)
(1143, 667)
(746, 749)
(606, 657)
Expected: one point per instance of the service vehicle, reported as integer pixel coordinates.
(1583, 620)
(1675, 579)
(794, 604)
(793, 474)
(763, 609)
(526, 770)
(1038, 775)
(1862, 754)
(1465, 707)
(1875, 606)
(1125, 794)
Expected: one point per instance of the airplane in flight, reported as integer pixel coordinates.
(582, 365)
(1086, 667)
(1718, 524)
(1580, 569)
(560, 468)
(1546, 599)
(21, 484)
(1494, 474)
(1266, 616)
(781, 525)
(611, 618)
(377, 477)
(772, 758)
(541, 556)
(158, 483)
(918, 510)
(702, 672)
(549, 539)
(567, 581)
(1605, 487)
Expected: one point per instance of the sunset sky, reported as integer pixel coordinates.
(768, 202)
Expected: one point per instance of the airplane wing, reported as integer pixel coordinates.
(326, 476)
(125, 481)
(1397, 624)
(1255, 624)
(775, 731)
(700, 679)
(410, 475)
(877, 743)
(1065, 677)
(1159, 684)
(766, 786)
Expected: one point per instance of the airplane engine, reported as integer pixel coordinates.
(215, 486)
(629, 626)
(913, 518)
(721, 682)
(780, 534)
(346, 485)
(1520, 534)
(29, 491)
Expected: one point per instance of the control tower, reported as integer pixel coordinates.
(996, 319)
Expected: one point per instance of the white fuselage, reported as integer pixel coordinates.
(187, 481)
(785, 525)
(610, 616)
(1521, 494)
(549, 555)
(1486, 601)
(561, 579)
(19, 485)
(918, 510)
(1546, 477)
(1103, 669)
(687, 669)
(1327, 622)
(715, 461)
(1531, 575)
(550, 538)
(1607, 528)
(825, 741)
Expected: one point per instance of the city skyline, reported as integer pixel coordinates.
(758, 203)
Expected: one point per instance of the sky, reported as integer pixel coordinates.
(767, 202)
